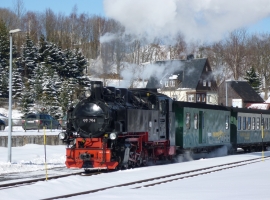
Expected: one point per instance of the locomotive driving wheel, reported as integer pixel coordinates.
(145, 157)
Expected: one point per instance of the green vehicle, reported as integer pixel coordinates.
(250, 129)
(201, 127)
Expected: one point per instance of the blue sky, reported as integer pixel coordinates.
(59, 6)
(197, 19)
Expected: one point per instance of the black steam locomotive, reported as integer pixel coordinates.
(112, 128)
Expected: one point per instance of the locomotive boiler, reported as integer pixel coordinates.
(118, 128)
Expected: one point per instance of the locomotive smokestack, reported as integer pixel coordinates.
(96, 89)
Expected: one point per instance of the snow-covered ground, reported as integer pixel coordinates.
(246, 182)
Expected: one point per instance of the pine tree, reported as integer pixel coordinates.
(4, 59)
(253, 79)
(17, 83)
(64, 98)
(27, 102)
(37, 82)
(29, 58)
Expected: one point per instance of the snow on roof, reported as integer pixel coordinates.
(173, 77)
(261, 106)
(268, 100)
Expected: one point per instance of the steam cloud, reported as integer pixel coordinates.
(198, 20)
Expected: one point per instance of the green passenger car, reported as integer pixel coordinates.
(201, 127)
(250, 129)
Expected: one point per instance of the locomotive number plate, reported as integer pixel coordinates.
(90, 120)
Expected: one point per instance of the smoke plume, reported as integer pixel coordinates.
(205, 21)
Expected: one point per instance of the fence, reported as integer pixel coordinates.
(33, 124)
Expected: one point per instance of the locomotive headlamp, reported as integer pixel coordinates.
(62, 135)
(87, 93)
(113, 136)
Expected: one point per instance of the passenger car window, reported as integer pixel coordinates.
(239, 123)
(188, 120)
(253, 123)
(196, 121)
(227, 121)
(244, 123)
(249, 123)
(258, 123)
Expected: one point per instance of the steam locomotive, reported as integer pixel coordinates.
(114, 128)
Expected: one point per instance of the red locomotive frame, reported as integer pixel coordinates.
(96, 152)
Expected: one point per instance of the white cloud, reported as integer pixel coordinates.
(206, 20)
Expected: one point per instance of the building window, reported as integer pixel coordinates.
(204, 82)
(203, 97)
(166, 83)
(209, 83)
(191, 98)
(209, 98)
(198, 98)
(172, 83)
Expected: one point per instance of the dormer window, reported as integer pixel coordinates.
(198, 98)
(204, 83)
(203, 97)
(172, 83)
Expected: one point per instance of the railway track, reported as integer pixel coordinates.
(32, 181)
(168, 178)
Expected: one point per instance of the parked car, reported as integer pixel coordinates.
(40, 120)
(4, 118)
(2, 125)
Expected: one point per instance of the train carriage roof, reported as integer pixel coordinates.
(245, 110)
(201, 105)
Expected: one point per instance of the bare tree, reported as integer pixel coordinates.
(260, 46)
(235, 53)
(31, 25)
(179, 48)
(8, 17)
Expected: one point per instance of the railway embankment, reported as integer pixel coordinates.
(20, 137)
(21, 140)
